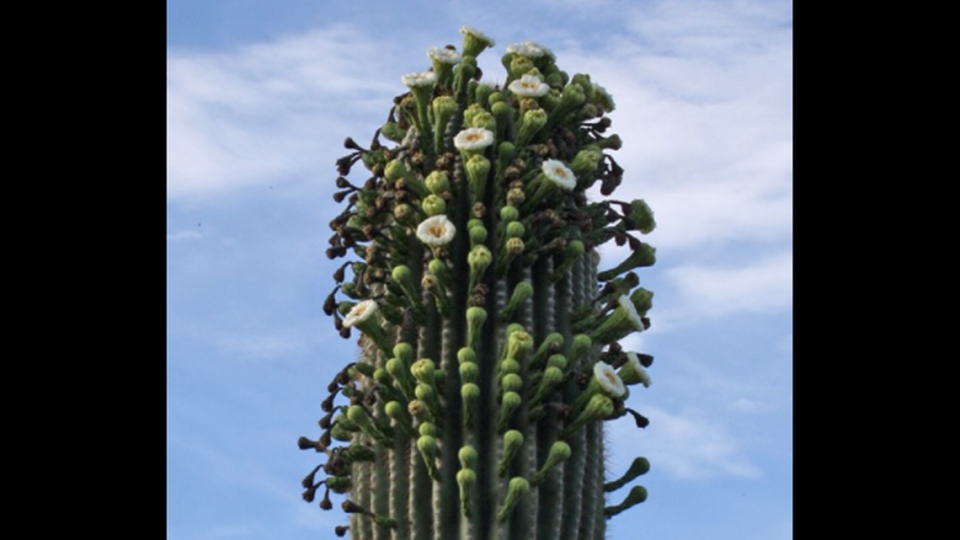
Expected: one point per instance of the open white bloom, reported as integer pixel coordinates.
(561, 175)
(631, 311)
(473, 139)
(637, 367)
(436, 231)
(527, 48)
(529, 86)
(424, 78)
(445, 56)
(609, 381)
(466, 30)
(361, 312)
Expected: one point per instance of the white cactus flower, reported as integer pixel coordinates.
(416, 80)
(562, 176)
(608, 379)
(361, 312)
(631, 311)
(436, 231)
(527, 48)
(473, 139)
(467, 30)
(444, 56)
(635, 364)
(529, 86)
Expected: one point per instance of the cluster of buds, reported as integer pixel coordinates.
(490, 341)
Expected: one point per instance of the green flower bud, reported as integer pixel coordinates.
(434, 205)
(444, 108)
(392, 131)
(533, 121)
(468, 456)
(402, 376)
(637, 495)
(586, 160)
(467, 480)
(551, 344)
(437, 182)
(479, 259)
(478, 170)
(519, 66)
(642, 300)
(509, 403)
(338, 484)
(512, 441)
(511, 382)
(356, 453)
(403, 212)
(644, 256)
(612, 142)
(476, 316)
(552, 376)
(483, 93)
(598, 408)
(429, 429)
(470, 393)
(522, 292)
(519, 344)
(484, 120)
(403, 351)
(641, 216)
(515, 229)
(586, 85)
(423, 370)
(426, 392)
(401, 416)
(502, 112)
(579, 348)
(558, 361)
(467, 355)
(640, 466)
(430, 451)
(440, 271)
(505, 153)
(469, 372)
(559, 452)
(516, 489)
(509, 365)
(478, 235)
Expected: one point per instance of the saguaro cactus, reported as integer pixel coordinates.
(489, 342)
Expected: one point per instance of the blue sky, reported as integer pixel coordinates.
(260, 96)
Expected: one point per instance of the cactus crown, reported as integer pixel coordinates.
(490, 342)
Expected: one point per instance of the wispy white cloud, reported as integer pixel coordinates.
(268, 111)
(687, 445)
(184, 235)
(764, 285)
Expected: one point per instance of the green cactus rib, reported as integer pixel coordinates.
(490, 352)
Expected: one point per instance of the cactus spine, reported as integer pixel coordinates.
(490, 352)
